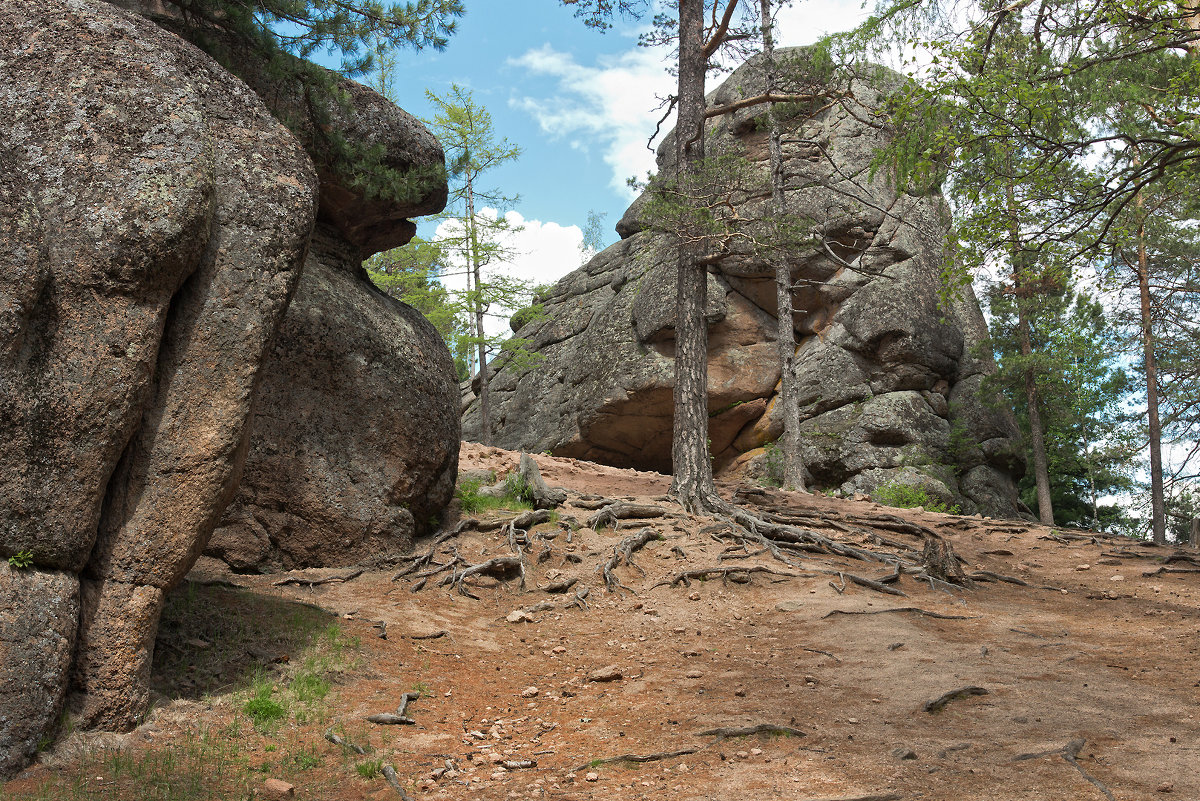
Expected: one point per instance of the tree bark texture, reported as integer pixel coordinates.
(1158, 512)
(789, 441)
(485, 418)
(692, 482)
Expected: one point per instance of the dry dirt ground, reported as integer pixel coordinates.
(1091, 672)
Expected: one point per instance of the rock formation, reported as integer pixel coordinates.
(888, 374)
(154, 222)
(354, 445)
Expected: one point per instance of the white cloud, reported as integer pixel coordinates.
(613, 104)
(610, 105)
(539, 253)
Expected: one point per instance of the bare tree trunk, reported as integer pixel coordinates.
(692, 482)
(793, 462)
(1158, 517)
(1037, 434)
(485, 417)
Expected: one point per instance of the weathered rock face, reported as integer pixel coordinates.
(154, 219)
(355, 437)
(887, 377)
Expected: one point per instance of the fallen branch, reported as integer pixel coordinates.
(819, 651)
(315, 582)
(389, 773)
(431, 636)
(1070, 755)
(912, 609)
(872, 797)
(987, 575)
(595, 763)
(397, 718)
(685, 577)
(337, 740)
(939, 703)
(745, 731)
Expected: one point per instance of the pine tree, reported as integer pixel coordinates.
(476, 236)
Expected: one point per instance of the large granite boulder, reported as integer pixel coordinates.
(888, 370)
(354, 449)
(154, 220)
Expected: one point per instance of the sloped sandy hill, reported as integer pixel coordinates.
(1086, 681)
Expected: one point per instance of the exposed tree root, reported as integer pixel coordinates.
(1070, 755)
(580, 599)
(337, 740)
(870, 797)
(501, 567)
(560, 586)
(389, 773)
(685, 577)
(987, 575)
(544, 497)
(424, 560)
(939, 703)
(431, 636)
(912, 609)
(614, 513)
(316, 582)
(1165, 569)
(623, 554)
(595, 763)
(878, 585)
(745, 731)
(398, 717)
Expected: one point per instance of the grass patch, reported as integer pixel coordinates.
(906, 496)
(371, 769)
(516, 496)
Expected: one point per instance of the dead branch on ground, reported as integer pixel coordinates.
(913, 609)
(595, 763)
(744, 731)
(337, 740)
(939, 703)
(1070, 755)
(398, 717)
(389, 773)
(315, 582)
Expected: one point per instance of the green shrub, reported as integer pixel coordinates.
(21, 560)
(907, 496)
(262, 707)
(517, 495)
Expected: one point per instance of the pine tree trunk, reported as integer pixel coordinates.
(793, 461)
(485, 417)
(692, 483)
(1158, 516)
(1037, 435)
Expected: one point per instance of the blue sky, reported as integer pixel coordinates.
(581, 104)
